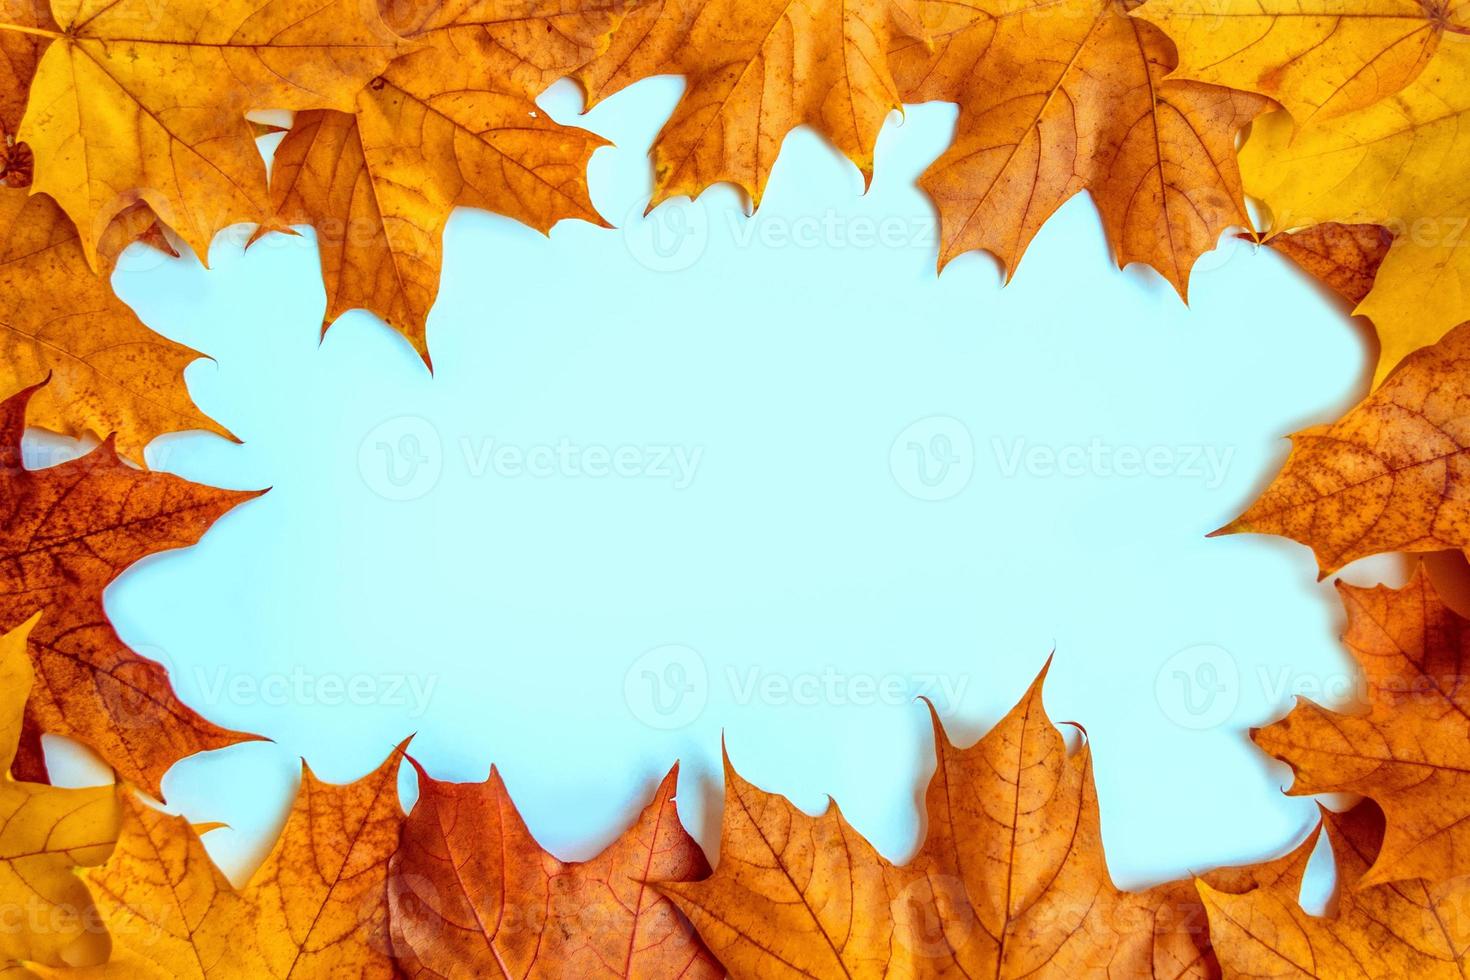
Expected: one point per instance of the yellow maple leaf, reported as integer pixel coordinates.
(135, 100)
(756, 70)
(20, 51)
(45, 833)
(316, 908)
(1316, 57)
(1403, 163)
(454, 122)
(1056, 98)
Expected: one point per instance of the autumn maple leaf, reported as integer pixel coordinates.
(1388, 476)
(109, 373)
(1344, 257)
(1009, 883)
(316, 908)
(20, 52)
(1056, 98)
(1316, 57)
(1404, 929)
(453, 122)
(755, 70)
(65, 533)
(45, 833)
(473, 894)
(1403, 163)
(1410, 750)
(135, 100)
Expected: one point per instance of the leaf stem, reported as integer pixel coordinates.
(38, 31)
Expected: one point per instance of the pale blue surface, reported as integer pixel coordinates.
(791, 357)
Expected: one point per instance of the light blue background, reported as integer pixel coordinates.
(800, 360)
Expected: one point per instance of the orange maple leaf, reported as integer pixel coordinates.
(65, 533)
(452, 122)
(756, 69)
(1404, 929)
(1056, 98)
(1391, 475)
(109, 373)
(472, 893)
(317, 908)
(1410, 750)
(1010, 882)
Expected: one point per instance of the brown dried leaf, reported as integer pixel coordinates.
(1405, 929)
(65, 533)
(1391, 475)
(473, 894)
(1345, 257)
(1410, 750)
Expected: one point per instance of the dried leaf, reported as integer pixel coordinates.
(135, 100)
(1410, 750)
(1011, 881)
(1060, 97)
(1389, 476)
(1405, 929)
(1403, 163)
(68, 531)
(756, 69)
(45, 833)
(1316, 57)
(454, 122)
(109, 373)
(317, 908)
(1345, 257)
(474, 895)
(20, 52)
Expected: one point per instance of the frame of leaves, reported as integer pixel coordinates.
(125, 117)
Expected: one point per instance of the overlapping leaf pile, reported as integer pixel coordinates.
(123, 118)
